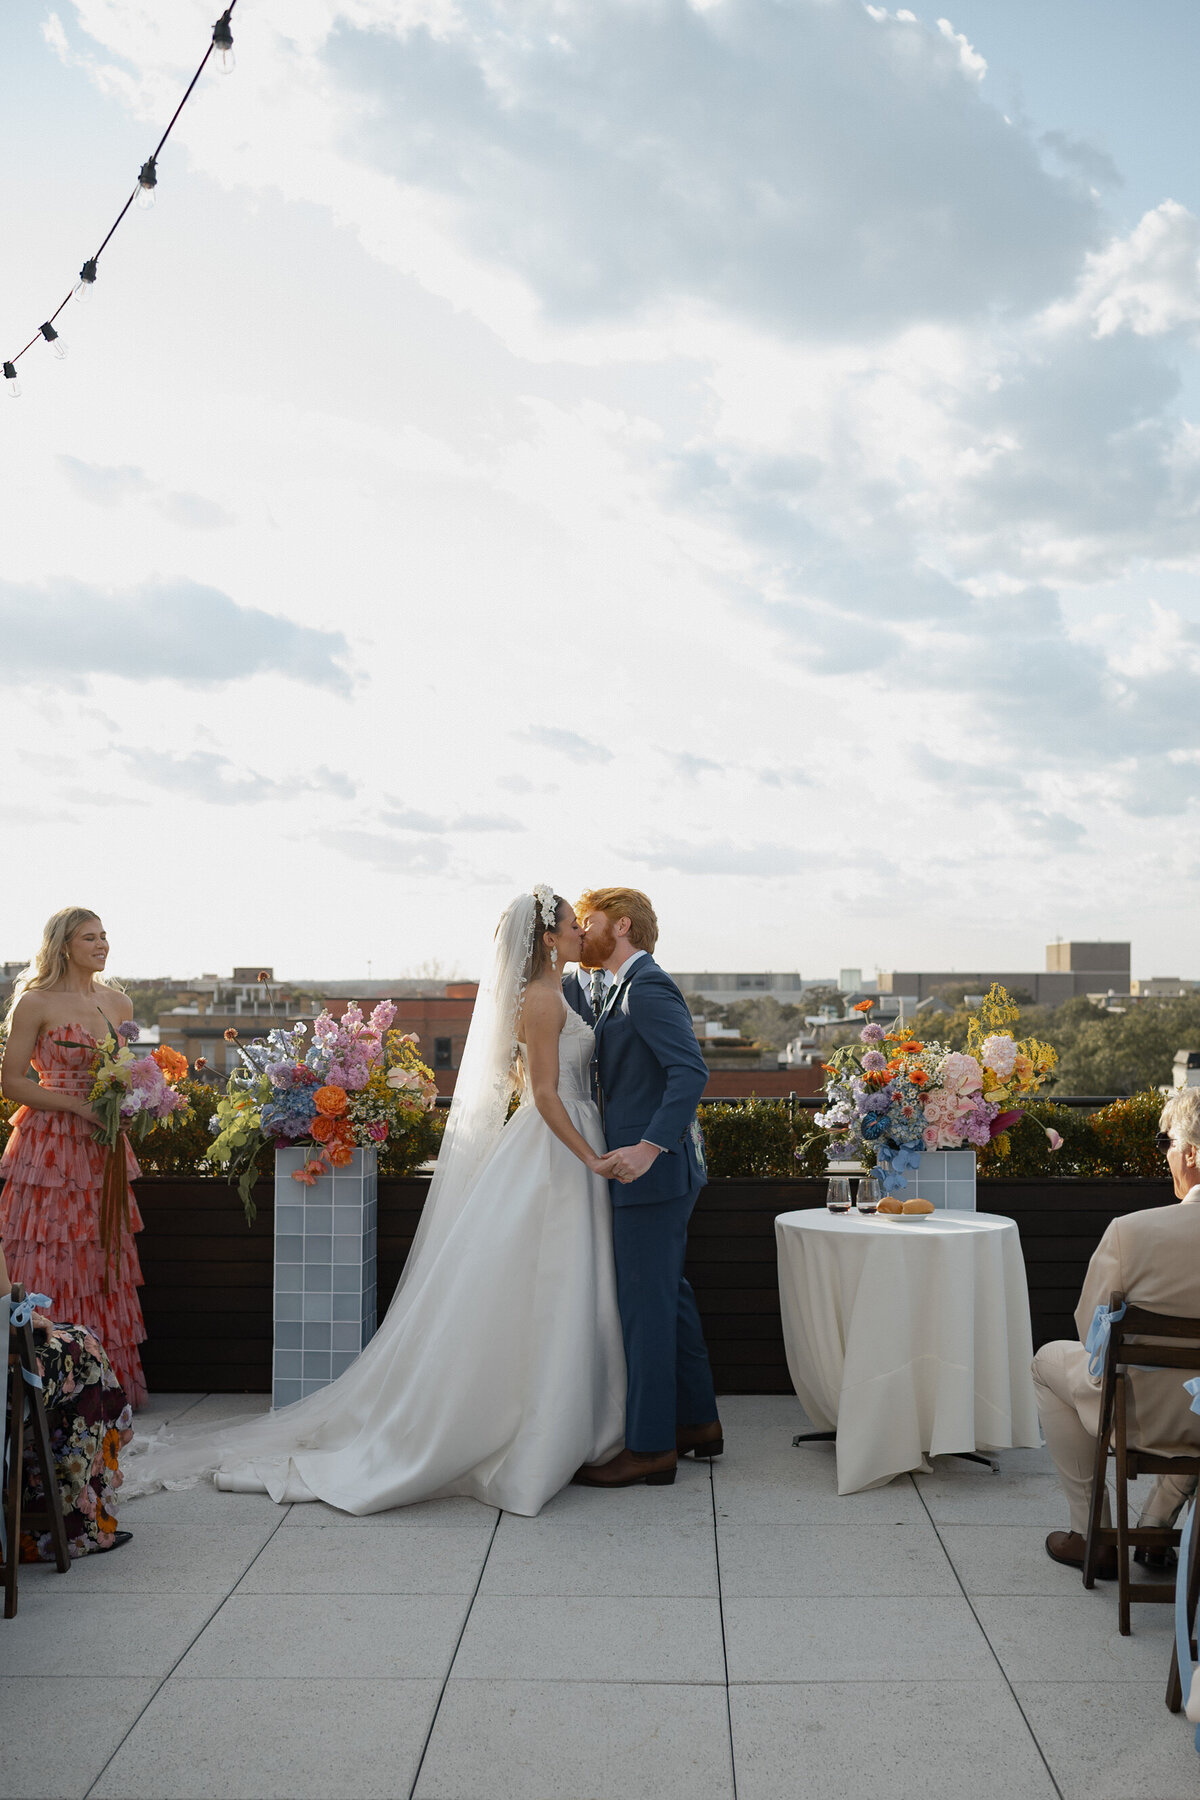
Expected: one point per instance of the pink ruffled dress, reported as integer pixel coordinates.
(50, 1212)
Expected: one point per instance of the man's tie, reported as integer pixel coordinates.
(597, 992)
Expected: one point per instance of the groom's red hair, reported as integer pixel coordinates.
(622, 903)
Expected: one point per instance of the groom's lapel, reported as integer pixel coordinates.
(613, 998)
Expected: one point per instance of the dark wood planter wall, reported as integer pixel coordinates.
(207, 1293)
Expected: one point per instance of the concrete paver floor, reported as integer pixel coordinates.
(743, 1635)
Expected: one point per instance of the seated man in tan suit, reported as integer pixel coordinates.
(1153, 1258)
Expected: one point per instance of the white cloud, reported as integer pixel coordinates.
(63, 632)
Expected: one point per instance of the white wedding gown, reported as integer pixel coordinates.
(499, 1368)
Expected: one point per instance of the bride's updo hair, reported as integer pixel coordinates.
(541, 949)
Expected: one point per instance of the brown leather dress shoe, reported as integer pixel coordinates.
(627, 1468)
(702, 1440)
(1069, 1547)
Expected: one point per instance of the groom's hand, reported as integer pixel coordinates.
(632, 1162)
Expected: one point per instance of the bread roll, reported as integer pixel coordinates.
(890, 1205)
(918, 1206)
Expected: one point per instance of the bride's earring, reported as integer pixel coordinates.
(553, 957)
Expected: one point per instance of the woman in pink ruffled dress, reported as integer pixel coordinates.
(53, 1168)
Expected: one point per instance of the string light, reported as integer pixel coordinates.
(143, 195)
(87, 281)
(223, 43)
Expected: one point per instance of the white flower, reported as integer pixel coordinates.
(403, 1078)
(543, 893)
(1000, 1055)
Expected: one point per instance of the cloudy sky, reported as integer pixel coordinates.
(747, 448)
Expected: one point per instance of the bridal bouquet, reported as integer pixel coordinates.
(892, 1095)
(352, 1084)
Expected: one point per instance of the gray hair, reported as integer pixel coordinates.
(1181, 1117)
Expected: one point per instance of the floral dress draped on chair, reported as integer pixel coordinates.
(90, 1423)
(50, 1213)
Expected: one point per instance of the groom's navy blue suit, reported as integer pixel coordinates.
(651, 1075)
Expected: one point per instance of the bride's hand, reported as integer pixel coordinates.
(606, 1166)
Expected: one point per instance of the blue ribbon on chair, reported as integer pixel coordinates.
(1183, 1637)
(19, 1315)
(22, 1311)
(1099, 1331)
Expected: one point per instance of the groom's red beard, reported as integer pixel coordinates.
(599, 943)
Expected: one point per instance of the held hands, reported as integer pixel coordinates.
(628, 1164)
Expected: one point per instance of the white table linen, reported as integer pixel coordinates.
(913, 1339)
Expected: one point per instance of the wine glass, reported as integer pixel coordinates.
(870, 1192)
(837, 1199)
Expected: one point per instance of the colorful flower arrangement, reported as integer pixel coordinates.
(131, 1093)
(350, 1086)
(892, 1096)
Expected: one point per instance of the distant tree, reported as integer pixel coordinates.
(765, 1021)
(814, 998)
(1126, 1052)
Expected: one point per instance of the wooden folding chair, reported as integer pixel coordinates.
(24, 1401)
(1126, 1350)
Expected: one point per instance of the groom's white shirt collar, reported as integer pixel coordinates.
(625, 967)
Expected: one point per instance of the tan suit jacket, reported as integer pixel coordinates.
(1153, 1258)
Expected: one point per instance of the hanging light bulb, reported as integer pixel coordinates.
(10, 375)
(147, 182)
(86, 282)
(55, 342)
(223, 44)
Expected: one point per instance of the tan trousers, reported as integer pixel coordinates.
(1072, 1444)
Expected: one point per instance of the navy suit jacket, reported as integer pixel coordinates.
(578, 997)
(651, 1075)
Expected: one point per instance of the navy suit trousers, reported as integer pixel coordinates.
(669, 1379)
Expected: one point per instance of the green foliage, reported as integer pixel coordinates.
(412, 1144)
(753, 1139)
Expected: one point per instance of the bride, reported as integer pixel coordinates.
(498, 1368)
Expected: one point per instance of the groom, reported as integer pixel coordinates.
(650, 1076)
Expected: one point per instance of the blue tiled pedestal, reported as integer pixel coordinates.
(947, 1177)
(324, 1273)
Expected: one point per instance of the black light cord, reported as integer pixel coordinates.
(222, 41)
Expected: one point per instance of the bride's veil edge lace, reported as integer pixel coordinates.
(482, 1094)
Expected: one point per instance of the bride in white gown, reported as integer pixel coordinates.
(498, 1368)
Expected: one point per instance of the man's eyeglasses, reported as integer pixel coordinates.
(1163, 1142)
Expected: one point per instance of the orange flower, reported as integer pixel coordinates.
(918, 1077)
(231, 1034)
(171, 1062)
(330, 1100)
(111, 1446)
(104, 1521)
(341, 1154)
(322, 1129)
(201, 1062)
(912, 1047)
(863, 1006)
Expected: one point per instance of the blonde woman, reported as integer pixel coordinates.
(63, 1008)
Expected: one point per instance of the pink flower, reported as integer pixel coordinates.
(1055, 1139)
(873, 1060)
(383, 1015)
(961, 1074)
(870, 1034)
(377, 1131)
